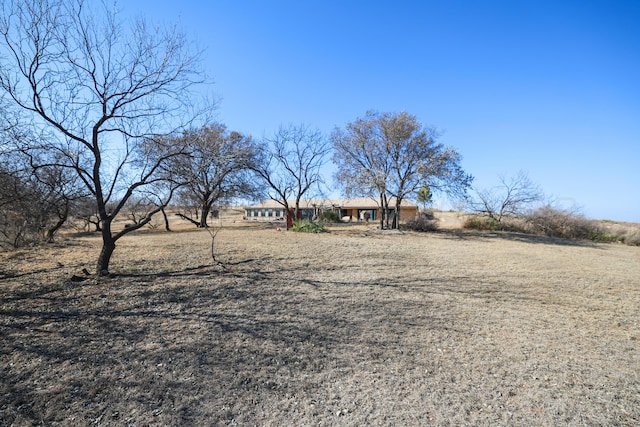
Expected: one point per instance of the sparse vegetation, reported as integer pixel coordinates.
(549, 221)
(330, 216)
(513, 197)
(457, 328)
(308, 226)
(481, 222)
(424, 222)
(554, 222)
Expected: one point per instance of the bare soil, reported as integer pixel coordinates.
(352, 327)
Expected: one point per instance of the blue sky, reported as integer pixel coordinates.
(551, 88)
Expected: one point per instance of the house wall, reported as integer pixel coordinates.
(264, 214)
(356, 214)
(408, 212)
(374, 214)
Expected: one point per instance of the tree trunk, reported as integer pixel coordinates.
(384, 217)
(108, 246)
(288, 216)
(204, 214)
(166, 220)
(62, 218)
(382, 211)
(396, 216)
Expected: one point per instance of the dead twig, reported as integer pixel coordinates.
(213, 232)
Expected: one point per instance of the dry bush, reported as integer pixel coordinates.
(552, 222)
(426, 221)
(631, 237)
(481, 222)
(628, 233)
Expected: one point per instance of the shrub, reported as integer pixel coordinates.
(479, 222)
(627, 235)
(331, 216)
(548, 221)
(632, 238)
(306, 226)
(553, 222)
(422, 223)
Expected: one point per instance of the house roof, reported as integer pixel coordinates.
(351, 203)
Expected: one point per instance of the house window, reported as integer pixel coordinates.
(270, 212)
(367, 214)
(248, 212)
(277, 213)
(255, 212)
(263, 212)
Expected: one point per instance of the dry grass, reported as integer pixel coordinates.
(352, 327)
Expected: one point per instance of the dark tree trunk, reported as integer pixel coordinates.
(382, 209)
(62, 218)
(396, 214)
(166, 220)
(108, 246)
(203, 215)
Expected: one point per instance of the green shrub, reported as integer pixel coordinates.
(306, 226)
(478, 222)
(601, 236)
(331, 216)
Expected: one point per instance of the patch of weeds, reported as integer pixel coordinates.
(631, 238)
(306, 226)
(478, 222)
(422, 223)
(601, 236)
(330, 216)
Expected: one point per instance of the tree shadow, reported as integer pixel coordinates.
(480, 235)
(141, 339)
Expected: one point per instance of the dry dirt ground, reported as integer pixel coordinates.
(352, 327)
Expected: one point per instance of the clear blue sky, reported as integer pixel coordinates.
(552, 88)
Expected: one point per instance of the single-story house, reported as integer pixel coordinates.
(354, 209)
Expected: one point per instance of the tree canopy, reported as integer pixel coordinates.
(290, 164)
(216, 169)
(389, 156)
(98, 89)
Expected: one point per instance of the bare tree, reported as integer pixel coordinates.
(363, 165)
(512, 197)
(100, 90)
(393, 155)
(289, 164)
(17, 200)
(34, 203)
(136, 209)
(87, 213)
(217, 169)
(60, 190)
